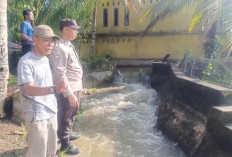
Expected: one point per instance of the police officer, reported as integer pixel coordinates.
(67, 71)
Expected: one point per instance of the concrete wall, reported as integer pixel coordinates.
(125, 42)
(84, 48)
(179, 22)
(153, 46)
(187, 114)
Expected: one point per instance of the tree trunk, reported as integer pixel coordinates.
(4, 69)
(209, 45)
(92, 47)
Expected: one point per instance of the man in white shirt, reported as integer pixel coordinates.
(37, 95)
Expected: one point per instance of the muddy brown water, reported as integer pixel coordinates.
(122, 124)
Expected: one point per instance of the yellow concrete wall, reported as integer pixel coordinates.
(170, 36)
(84, 48)
(134, 47)
(179, 22)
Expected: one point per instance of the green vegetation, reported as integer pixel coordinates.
(218, 73)
(208, 70)
(24, 130)
(19, 153)
(49, 12)
(63, 153)
(12, 80)
(219, 76)
(79, 114)
(213, 48)
(88, 61)
(215, 71)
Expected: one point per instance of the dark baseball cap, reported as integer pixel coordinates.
(44, 31)
(69, 23)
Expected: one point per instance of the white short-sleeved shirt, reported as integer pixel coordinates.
(32, 68)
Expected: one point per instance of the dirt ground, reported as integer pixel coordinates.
(12, 139)
(12, 135)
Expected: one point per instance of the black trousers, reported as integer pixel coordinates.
(66, 118)
(27, 48)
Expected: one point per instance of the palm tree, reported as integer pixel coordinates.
(93, 25)
(4, 70)
(208, 14)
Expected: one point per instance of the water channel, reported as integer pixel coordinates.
(122, 123)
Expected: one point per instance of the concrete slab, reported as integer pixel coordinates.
(216, 87)
(224, 108)
(229, 126)
(222, 113)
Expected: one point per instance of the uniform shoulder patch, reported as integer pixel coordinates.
(57, 57)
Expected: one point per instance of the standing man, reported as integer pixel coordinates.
(27, 31)
(67, 68)
(37, 95)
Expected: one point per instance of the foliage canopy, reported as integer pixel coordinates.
(49, 12)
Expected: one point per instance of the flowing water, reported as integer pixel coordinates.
(122, 124)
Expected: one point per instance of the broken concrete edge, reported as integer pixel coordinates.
(94, 91)
(181, 123)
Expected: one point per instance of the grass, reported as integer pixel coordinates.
(94, 60)
(80, 113)
(63, 153)
(24, 130)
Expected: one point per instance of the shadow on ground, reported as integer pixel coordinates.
(14, 153)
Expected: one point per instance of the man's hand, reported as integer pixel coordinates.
(73, 101)
(61, 86)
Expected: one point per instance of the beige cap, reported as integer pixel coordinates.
(44, 31)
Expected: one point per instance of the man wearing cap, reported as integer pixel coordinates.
(37, 95)
(66, 67)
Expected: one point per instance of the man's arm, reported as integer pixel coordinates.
(25, 37)
(59, 59)
(31, 90)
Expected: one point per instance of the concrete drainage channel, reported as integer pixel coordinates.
(195, 114)
(198, 118)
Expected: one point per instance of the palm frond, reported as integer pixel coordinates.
(194, 23)
(166, 8)
(132, 4)
(147, 13)
(211, 12)
(227, 21)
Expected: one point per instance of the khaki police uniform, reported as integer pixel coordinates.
(65, 65)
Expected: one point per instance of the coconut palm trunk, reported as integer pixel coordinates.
(93, 34)
(4, 69)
